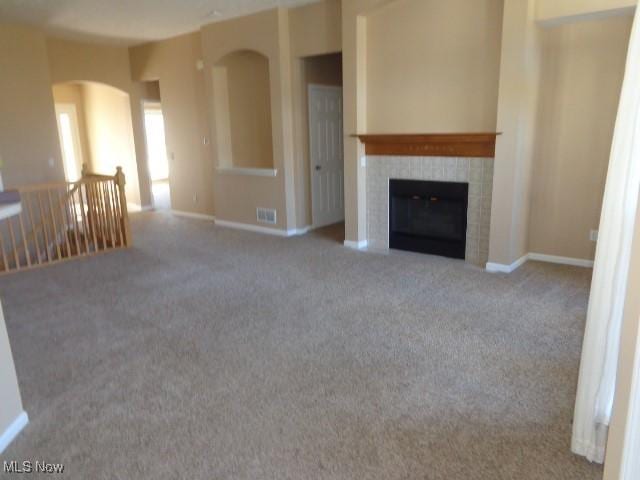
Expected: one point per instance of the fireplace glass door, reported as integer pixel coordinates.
(428, 217)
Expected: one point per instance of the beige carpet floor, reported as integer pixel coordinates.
(209, 353)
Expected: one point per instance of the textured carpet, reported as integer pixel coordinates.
(209, 353)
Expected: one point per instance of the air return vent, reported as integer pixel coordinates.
(266, 215)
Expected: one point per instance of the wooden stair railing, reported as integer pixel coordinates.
(61, 221)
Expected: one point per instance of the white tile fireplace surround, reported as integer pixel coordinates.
(477, 172)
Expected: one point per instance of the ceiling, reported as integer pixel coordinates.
(128, 22)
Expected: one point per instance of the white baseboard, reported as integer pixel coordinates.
(538, 257)
(501, 268)
(197, 216)
(576, 262)
(255, 228)
(13, 430)
(244, 226)
(299, 231)
(134, 207)
(361, 245)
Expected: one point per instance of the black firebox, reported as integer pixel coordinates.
(428, 217)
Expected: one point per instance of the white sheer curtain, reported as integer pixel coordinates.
(600, 349)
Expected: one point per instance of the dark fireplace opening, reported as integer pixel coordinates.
(428, 217)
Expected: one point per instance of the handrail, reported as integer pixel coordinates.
(52, 185)
(87, 174)
(62, 220)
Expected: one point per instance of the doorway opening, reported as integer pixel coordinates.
(96, 130)
(323, 87)
(157, 155)
(69, 132)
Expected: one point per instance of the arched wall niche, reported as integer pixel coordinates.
(243, 114)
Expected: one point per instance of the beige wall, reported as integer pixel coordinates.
(184, 108)
(517, 113)
(390, 87)
(28, 131)
(316, 32)
(354, 94)
(10, 399)
(105, 128)
(72, 61)
(581, 77)
(433, 66)
(110, 133)
(316, 28)
(283, 36)
(237, 196)
(71, 93)
(247, 109)
(317, 70)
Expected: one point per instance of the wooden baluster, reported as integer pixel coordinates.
(91, 205)
(105, 212)
(83, 216)
(65, 221)
(114, 211)
(47, 246)
(120, 180)
(27, 252)
(53, 224)
(107, 218)
(74, 214)
(5, 263)
(112, 218)
(26, 199)
(92, 214)
(101, 216)
(14, 247)
(116, 203)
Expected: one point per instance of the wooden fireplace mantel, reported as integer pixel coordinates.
(431, 144)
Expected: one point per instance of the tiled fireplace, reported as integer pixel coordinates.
(476, 172)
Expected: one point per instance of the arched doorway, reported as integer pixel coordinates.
(95, 128)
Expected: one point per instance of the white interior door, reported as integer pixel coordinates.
(69, 133)
(326, 154)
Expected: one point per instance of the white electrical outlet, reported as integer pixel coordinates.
(593, 235)
(363, 161)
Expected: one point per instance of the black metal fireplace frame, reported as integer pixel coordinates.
(422, 243)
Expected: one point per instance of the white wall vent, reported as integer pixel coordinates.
(266, 215)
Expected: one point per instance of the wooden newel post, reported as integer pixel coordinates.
(120, 182)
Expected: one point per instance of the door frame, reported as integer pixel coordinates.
(310, 88)
(72, 111)
(144, 106)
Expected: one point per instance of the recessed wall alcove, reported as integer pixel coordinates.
(243, 116)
